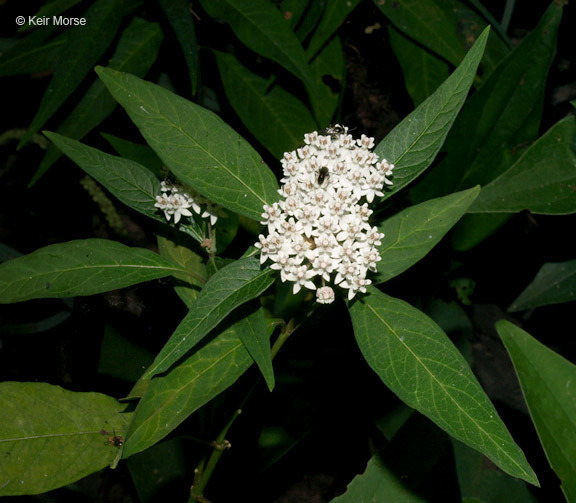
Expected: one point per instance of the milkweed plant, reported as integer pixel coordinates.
(269, 229)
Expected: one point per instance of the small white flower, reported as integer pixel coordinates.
(320, 227)
(325, 295)
(175, 201)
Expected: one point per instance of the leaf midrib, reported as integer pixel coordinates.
(485, 433)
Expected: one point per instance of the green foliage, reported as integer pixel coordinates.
(547, 381)
(416, 360)
(83, 267)
(219, 91)
(197, 146)
(555, 283)
(43, 427)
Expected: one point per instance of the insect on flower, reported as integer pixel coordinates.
(323, 173)
(333, 131)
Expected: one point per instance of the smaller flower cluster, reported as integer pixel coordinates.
(320, 228)
(175, 201)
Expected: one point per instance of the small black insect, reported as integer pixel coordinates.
(333, 131)
(323, 173)
(115, 440)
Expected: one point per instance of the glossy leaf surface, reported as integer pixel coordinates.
(417, 361)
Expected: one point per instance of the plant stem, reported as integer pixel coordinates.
(205, 469)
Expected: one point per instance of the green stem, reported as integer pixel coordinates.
(204, 470)
(203, 473)
(508, 10)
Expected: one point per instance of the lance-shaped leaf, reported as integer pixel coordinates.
(262, 28)
(497, 121)
(51, 437)
(414, 143)
(427, 23)
(555, 283)
(412, 233)
(85, 44)
(171, 398)
(548, 382)
(83, 267)
(542, 181)
(130, 182)
(334, 16)
(196, 145)
(256, 339)
(137, 50)
(179, 15)
(230, 287)
(276, 118)
(416, 360)
(30, 57)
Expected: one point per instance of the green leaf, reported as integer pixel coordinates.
(334, 16)
(377, 484)
(497, 121)
(427, 23)
(418, 362)
(136, 52)
(328, 69)
(157, 470)
(44, 427)
(230, 287)
(506, 111)
(548, 382)
(256, 339)
(555, 283)
(140, 154)
(276, 118)
(261, 27)
(472, 229)
(180, 17)
(131, 183)
(414, 143)
(423, 71)
(30, 57)
(412, 233)
(171, 398)
(542, 181)
(85, 45)
(196, 145)
(193, 273)
(480, 483)
(83, 267)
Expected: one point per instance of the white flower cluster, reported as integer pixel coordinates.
(175, 201)
(321, 226)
